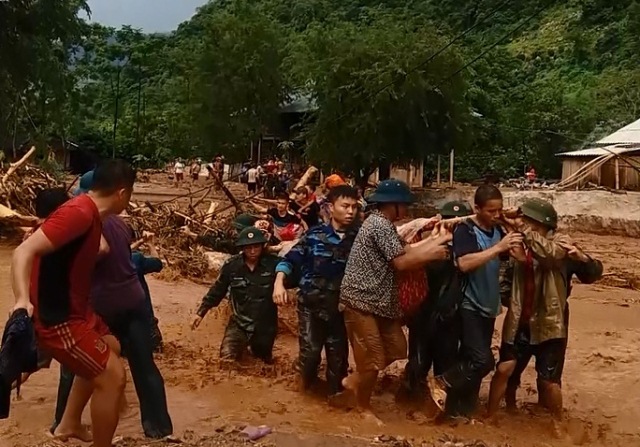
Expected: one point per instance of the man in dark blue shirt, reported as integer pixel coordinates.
(317, 264)
(478, 245)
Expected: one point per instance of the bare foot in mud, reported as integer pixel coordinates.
(81, 433)
(345, 400)
(370, 416)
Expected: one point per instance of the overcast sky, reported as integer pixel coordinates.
(150, 15)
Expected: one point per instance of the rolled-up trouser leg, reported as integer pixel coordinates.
(337, 352)
(235, 341)
(312, 335)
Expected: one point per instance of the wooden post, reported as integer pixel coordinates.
(438, 172)
(260, 150)
(617, 173)
(252, 160)
(451, 156)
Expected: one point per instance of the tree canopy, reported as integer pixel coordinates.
(384, 87)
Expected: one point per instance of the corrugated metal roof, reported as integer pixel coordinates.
(598, 151)
(629, 134)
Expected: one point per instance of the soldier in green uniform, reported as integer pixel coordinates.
(248, 278)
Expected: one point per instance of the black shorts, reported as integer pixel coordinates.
(521, 349)
(550, 359)
(549, 355)
(253, 187)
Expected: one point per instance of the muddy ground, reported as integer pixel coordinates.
(211, 402)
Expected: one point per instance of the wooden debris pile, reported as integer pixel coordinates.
(176, 241)
(21, 182)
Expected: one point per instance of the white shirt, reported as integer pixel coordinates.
(178, 168)
(252, 175)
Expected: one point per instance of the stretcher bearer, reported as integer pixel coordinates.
(248, 279)
(434, 332)
(478, 246)
(369, 292)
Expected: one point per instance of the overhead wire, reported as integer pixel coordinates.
(427, 60)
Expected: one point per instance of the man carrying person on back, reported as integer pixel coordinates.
(317, 264)
(51, 278)
(369, 291)
(478, 244)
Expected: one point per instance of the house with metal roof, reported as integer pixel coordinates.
(612, 162)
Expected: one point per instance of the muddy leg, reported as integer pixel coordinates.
(234, 342)
(499, 386)
(70, 425)
(311, 340)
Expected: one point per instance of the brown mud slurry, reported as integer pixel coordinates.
(209, 401)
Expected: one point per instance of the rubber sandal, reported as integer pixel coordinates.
(438, 395)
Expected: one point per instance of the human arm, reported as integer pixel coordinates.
(285, 268)
(587, 269)
(506, 281)
(468, 254)
(215, 295)
(545, 250)
(62, 227)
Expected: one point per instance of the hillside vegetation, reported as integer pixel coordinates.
(562, 74)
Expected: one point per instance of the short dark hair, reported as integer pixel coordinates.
(111, 175)
(302, 190)
(48, 200)
(484, 193)
(282, 196)
(342, 191)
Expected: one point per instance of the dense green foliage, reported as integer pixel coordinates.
(566, 78)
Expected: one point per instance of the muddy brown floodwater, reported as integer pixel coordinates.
(208, 401)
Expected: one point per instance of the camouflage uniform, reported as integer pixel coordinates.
(317, 263)
(254, 322)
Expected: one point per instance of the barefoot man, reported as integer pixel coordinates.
(369, 291)
(51, 278)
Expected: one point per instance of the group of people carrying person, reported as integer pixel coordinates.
(351, 278)
(75, 276)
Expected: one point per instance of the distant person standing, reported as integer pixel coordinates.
(178, 170)
(195, 170)
(531, 174)
(252, 180)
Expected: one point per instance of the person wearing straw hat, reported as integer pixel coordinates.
(248, 279)
(369, 291)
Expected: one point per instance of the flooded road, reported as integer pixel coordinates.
(601, 385)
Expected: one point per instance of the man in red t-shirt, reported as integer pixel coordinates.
(51, 277)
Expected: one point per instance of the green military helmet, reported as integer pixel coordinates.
(243, 221)
(250, 236)
(456, 208)
(392, 191)
(540, 211)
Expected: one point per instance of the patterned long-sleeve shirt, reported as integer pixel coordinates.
(250, 292)
(317, 264)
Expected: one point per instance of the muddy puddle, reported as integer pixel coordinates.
(211, 402)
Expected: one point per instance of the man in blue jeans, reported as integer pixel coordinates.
(478, 245)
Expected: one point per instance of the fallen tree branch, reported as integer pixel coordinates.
(13, 167)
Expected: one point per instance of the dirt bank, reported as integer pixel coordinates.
(210, 402)
(598, 212)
